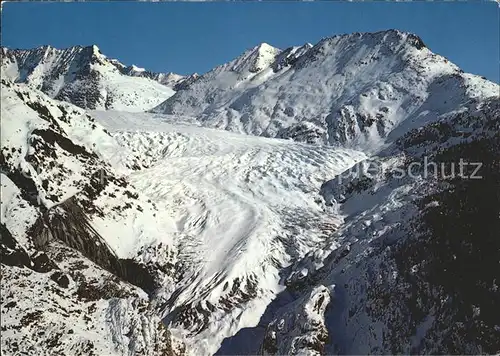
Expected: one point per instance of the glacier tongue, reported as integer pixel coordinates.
(245, 208)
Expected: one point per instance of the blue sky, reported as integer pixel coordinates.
(194, 37)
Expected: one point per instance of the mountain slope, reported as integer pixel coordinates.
(85, 77)
(336, 272)
(349, 90)
(76, 272)
(414, 268)
(150, 209)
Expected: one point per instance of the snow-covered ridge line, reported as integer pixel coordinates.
(85, 77)
(359, 90)
(93, 51)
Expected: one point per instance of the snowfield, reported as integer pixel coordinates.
(244, 208)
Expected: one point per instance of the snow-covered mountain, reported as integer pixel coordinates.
(75, 236)
(87, 78)
(336, 242)
(348, 90)
(145, 215)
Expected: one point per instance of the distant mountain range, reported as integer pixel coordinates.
(85, 77)
(350, 90)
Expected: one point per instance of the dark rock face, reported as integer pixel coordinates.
(83, 92)
(302, 133)
(416, 41)
(185, 83)
(22, 180)
(61, 279)
(456, 252)
(71, 226)
(50, 137)
(72, 64)
(11, 252)
(289, 57)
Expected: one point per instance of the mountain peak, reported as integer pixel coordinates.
(256, 59)
(137, 69)
(264, 47)
(55, 72)
(95, 50)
